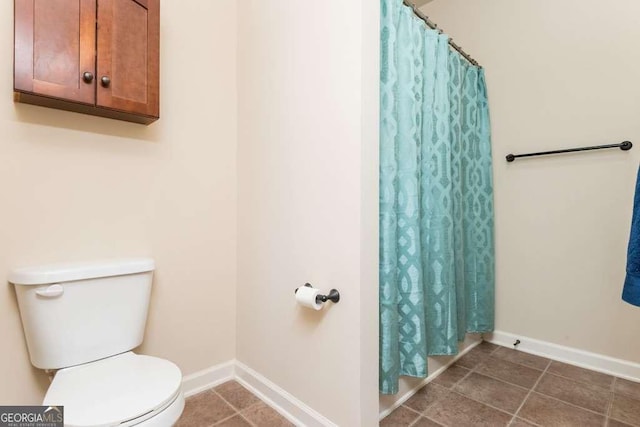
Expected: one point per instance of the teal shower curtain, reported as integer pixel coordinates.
(436, 198)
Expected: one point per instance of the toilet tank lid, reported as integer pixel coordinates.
(56, 273)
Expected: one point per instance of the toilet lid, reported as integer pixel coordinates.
(114, 390)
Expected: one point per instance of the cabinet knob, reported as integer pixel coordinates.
(87, 77)
(106, 81)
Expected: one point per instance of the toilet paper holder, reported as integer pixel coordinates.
(333, 296)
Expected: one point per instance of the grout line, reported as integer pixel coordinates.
(581, 382)
(238, 411)
(585, 381)
(411, 409)
(569, 403)
(429, 380)
(483, 403)
(543, 372)
(492, 354)
(529, 394)
(479, 364)
(472, 371)
(246, 419)
(225, 400)
(252, 405)
(557, 374)
(612, 395)
(449, 389)
(475, 370)
(225, 419)
(572, 404)
(495, 350)
(503, 380)
(420, 414)
(415, 421)
(468, 374)
(486, 356)
(531, 390)
(434, 421)
(602, 414)
(523, 365)
(414, 411)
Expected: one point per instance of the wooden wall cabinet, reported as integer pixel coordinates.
(98, 57)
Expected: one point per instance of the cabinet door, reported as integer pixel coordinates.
(54, 47)
(128, 55)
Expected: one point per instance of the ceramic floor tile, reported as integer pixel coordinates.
(571, 396)
(519, 422)
(204, 409)
(522, 358)
(236, 421)
(451, 376)
(459, 411)
(426, 396)
(510, 372)
(614, 423)
(628, 388)
(580, 374)
(486, 347)
(546, 411)
(625, 409)
(425, 422)
(472, 359)
(584, 395)
(262, 415)
(238, 396)
(401, 417)
(493, 392)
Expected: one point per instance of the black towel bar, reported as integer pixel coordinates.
(624, 146)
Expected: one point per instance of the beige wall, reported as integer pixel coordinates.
(76, 187)
(308, 123)
(560, 74)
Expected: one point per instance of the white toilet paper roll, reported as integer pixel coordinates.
(306, 297)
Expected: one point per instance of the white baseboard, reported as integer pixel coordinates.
(286, 404)
(573, 356)
(427, 380)
(207, 378)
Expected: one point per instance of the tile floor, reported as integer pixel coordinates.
(499, 386)
(229, 405)
(489, 386)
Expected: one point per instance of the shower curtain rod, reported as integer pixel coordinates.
(434, 26)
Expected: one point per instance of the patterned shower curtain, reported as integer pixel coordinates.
(436, 198)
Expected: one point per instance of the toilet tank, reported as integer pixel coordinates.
(77, 313)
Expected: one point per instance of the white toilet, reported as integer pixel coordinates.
(83, 320)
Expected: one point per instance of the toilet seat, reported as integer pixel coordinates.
(122, 390)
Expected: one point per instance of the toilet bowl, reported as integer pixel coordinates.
(83, 320)
(123, 390)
